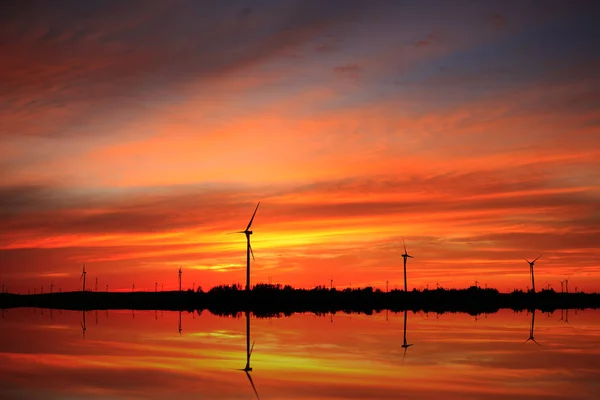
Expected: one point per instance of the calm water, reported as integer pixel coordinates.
(143, 356)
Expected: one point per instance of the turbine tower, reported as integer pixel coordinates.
(249, 251)
(83, 277)
(531, 264)
(567, 284)
(405, 256)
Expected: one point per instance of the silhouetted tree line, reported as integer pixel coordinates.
(273, 300)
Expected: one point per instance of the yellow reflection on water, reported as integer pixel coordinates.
(300, 357)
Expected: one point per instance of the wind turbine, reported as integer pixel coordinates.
(562, 288)
(249, 251)
(180, 272)
(96, 284)
(531, 327)
(405, 344)
(51, 286)
(83, 277)
(247, 369)
(567, 284)
(405, 256)
(531, 264)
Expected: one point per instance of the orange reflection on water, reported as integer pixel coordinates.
(127, 355)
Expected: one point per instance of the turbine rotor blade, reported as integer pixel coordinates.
(231, 233)
(252, 383)
(251, 252)
(252, 348)
(537, 258)
(252, 219)
(404, 243)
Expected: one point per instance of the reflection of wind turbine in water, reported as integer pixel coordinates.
(531, 327)
(247, 369)
(180, 322)
(83, 324)
(405, 344)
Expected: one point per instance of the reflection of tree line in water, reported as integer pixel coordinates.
(250, 344)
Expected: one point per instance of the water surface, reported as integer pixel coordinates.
(142, 355)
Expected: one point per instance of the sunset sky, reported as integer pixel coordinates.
(134, 135)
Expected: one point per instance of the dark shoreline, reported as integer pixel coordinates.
(275, 300)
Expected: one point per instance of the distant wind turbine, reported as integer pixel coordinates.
(531, 264)
(51, 286)
(562, 288)
(96, 287)
(249, 251)
(405, 256)
(180, 272)
(83, 278)
(567, 284)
